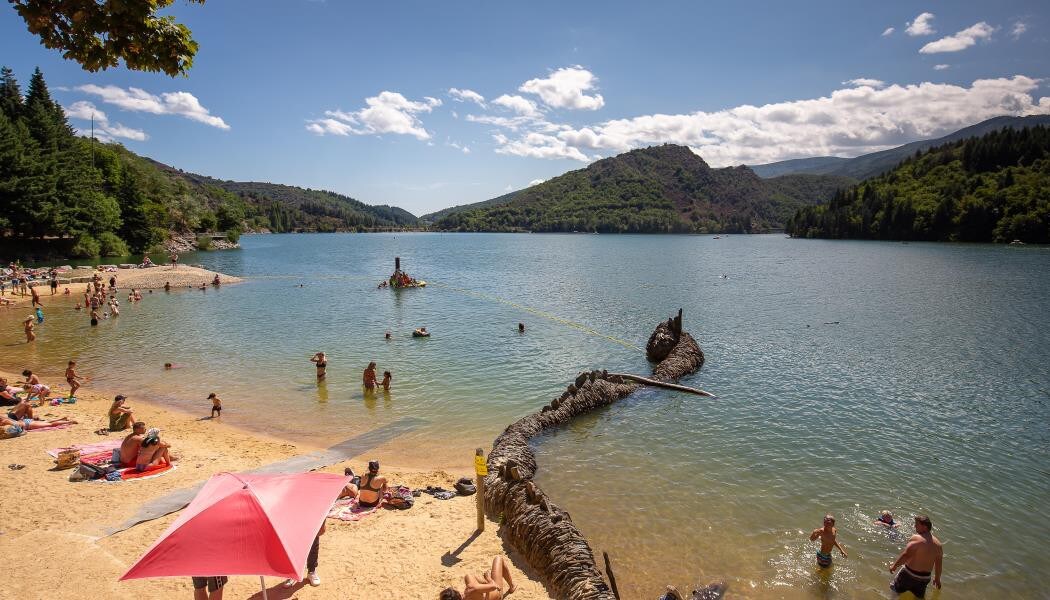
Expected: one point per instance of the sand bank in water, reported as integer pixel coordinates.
(55, 525)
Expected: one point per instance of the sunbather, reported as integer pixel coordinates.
(22, 410)
(489, 586)
(120, 416)
(372, 488)
(30, 424)
(7, 394)
(153, 452)
(129, 448)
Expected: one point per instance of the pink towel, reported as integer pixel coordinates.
(93, 448)
(346, 509)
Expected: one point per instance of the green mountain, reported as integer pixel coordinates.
(658, 189)
(303, 209)
(876, 163)
(994, 188)
(65, 195)
(434, 217)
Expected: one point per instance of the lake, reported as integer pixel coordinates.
(851, 377)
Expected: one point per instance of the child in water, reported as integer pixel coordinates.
(886, 520)
(39, 315)
(216, 405)
(386, 381)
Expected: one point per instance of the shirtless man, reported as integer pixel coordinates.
(129, 448)
(36, 297)
(28, 326)
(828, 540)
(489, 586)
(922, 555)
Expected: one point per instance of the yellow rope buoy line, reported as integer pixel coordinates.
(537, 312)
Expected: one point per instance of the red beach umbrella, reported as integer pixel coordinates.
(243, 524)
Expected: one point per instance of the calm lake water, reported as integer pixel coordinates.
(851, 377)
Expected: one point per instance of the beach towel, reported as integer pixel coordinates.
(155, 471)
(106, 446)
(347, 509)
(52, 427)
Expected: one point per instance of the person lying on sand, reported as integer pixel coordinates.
(120, 416)
(22, 410)
(152, 452)
(30, 424)
(488, 586)
(129, 447)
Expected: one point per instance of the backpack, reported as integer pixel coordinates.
(400, 498)
(90, 471)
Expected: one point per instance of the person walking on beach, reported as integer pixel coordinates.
(369, 377)
(216, 405)
(922, 555)
(174, 260)
(54, 281)
(72, 378)
(321, 361)
(36, 297)
(828, 539)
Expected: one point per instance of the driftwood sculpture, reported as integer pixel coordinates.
(541, 531)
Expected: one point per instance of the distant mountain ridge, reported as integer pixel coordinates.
(301, 209)
(665, 188)
(869, 165)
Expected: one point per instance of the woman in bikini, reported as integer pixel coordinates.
(322, 362)
(494, 585)
(369, 377)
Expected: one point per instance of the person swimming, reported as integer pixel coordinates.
(421, 332)
(886, 520)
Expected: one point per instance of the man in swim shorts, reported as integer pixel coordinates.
(922, 555)
(129, 448)
(828, 539)
(208, 588)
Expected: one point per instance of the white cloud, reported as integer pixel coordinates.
(466, 96)
(519, 104)
(921, 25)
(183, 104)
(535, 182)
(847, 122)
(462, 148)
(565, 89)
(941, 67)
(888, 32)
(387, 112)
(1018, 29)
(961, 40)
(104, 130)
(864, 81)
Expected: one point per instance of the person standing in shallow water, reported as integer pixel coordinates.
(828, 539)
(922, 555)
(369, 377)
(321, 361)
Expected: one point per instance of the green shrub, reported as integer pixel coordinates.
(233, 235)
(204, 242)
(85, 246)
(111, 245)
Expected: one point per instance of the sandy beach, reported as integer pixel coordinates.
(59, 525)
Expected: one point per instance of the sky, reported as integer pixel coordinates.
(426, 105)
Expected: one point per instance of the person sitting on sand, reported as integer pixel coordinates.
(369, 377)
(146, 262)
(129, 448)
(7, 394)
(421, 332)
(321, 361)
(488, 586)
(370, 490)
(828, 540)
(386, 381)
(152, 452)
(21, 410)
(66, 293)
(119, 415)
(886, 520)
(216, 405)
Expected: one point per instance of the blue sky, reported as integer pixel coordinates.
(425, 105)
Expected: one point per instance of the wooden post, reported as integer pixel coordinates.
(480, 471)
(612, 578)
(397, 264)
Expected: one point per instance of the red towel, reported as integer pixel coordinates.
(133, 473)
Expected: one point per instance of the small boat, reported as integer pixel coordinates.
(1017, 243)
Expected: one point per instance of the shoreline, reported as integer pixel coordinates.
(414, 545)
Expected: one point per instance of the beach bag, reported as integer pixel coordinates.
(90, 471)
(465, 487)
(67, 459)
(11, 431)
(400, 498)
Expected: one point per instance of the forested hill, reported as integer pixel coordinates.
(304, 208)
(995, 188)
(70, 196)
(652, 190)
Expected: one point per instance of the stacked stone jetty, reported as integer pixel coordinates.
(542, 532)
